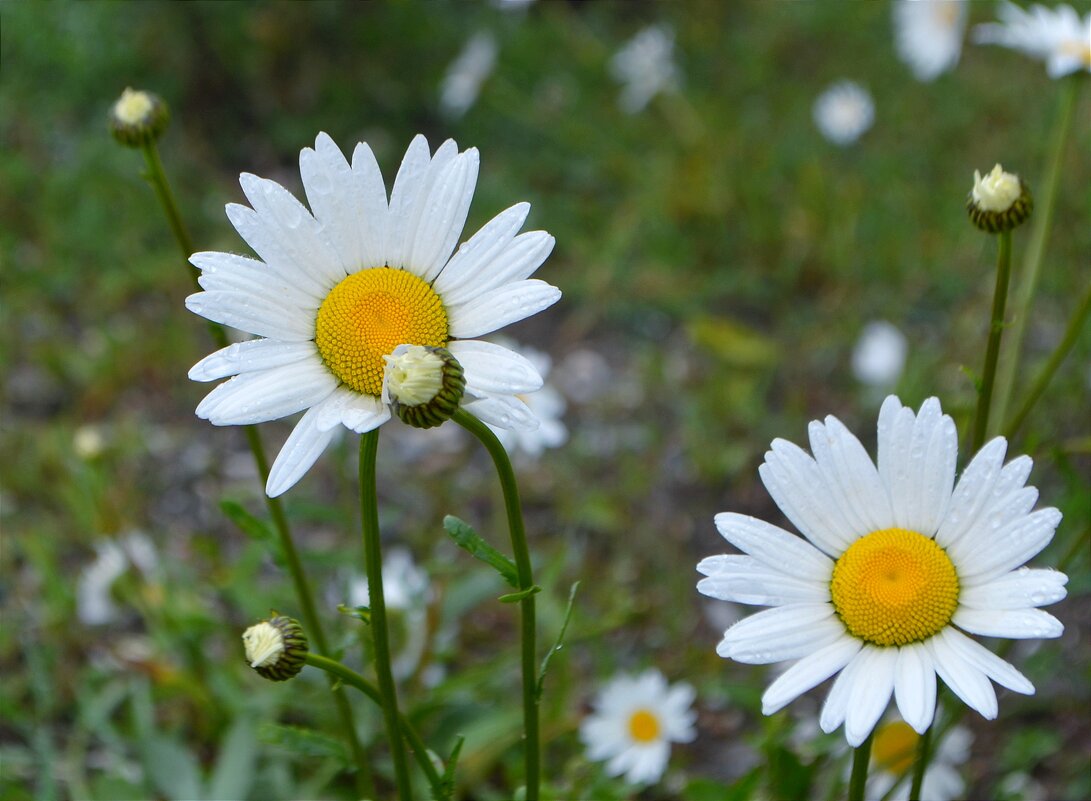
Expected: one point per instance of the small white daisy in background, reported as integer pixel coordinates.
(879, 356)
(546, 405)
(844, 112)
(341, 285)
(897, 566)
(893, 752)
(1056, 36)
(88, 442)
(929, 35)
(407, 591)
(94, 600)
(645, 67)
(636, 719)
(462, 82)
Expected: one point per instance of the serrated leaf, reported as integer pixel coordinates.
(447, 781)
(559, 643)
(470, 541)
(516, 597)
(255, 529)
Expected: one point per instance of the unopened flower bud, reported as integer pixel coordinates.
(424, 384)
(138, 118)
(276, 648)
(999, 201)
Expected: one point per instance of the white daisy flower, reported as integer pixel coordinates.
(462, 82)
(1057, 36)
(546, 405)
(879, 356)
(843, 112)
(893, 752)
(342, 285)
(636, 719)
(645, 67)
(94, 589)
(929, 35)
(898, 565)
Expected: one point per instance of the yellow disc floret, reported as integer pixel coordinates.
(895, 747)
(644, 726)
(369, 314)
(894, 587)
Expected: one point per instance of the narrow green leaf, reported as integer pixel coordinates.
(361, 612)
(302, 741)
(233, 776)
(470, 541)
(254, 528)
(560, 639)
(516, 597)
(447, 781)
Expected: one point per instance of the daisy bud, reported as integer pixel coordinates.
(276, 648)
(138, 118)
(425, 384)
(999, 201)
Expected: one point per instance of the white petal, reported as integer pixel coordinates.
(850, 475)
(493, 369)
(295, 231)
(836, 705)
(267, 395)
(499, 307)
(1001, 513)
(794, 481)
(375, 214)
(245, 357)
(1018, 624)
(784, 632)
(808, 672)
(260, 317)
(412, 186)
(363, 413)
(444, 215)
(502, 411)
(482, 271)
(744, 580)
(281, 258)
(915, 686)
(774, 547)
(301, 450)
(1019, 589)
(973, 491)
(987, 662)
(1011, 546)
(470, 263)
(335, 195)
(242, 274)
(917, 464)
(870, 693)
(966, 681)
(895, 435)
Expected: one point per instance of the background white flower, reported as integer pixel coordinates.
(94, 600)
(929, 35)
(636, 719)
(844, 112)
(645, 67)
(879, 356)
(338, 290)
(893, 752)
(546, 405)
(1056, 36)
(462, 83)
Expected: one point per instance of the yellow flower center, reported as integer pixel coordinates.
(895, 747)
(369, 314)
(894, 587)
(644, 726)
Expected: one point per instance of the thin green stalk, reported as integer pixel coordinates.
(860, 758)
(992, 349)
(526, 584)
(157, 177)
(1027, 280)
(1041, 381)
(354, 679)
(920, 764)
(373, 564)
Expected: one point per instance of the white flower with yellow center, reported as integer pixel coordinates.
(898, 565)
(339, 287)
(636, 719)
(844, 112)
(1056, 36)
(929, 35)
(893, 752)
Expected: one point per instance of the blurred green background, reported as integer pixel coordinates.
(719, 260)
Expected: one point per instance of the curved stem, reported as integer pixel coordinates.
(1041, 381)
(1027, 282)
(992, 349)
(526, 583)
(860, 758)
(354, 679)
(373, 564)
(157, 177)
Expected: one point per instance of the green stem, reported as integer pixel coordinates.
(860, 758)
(1071, 334)
(354, 679)
(373, 564)
(992, 349)
(157, 177)
(526, 582)
(1027, 283)
(920, 764)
